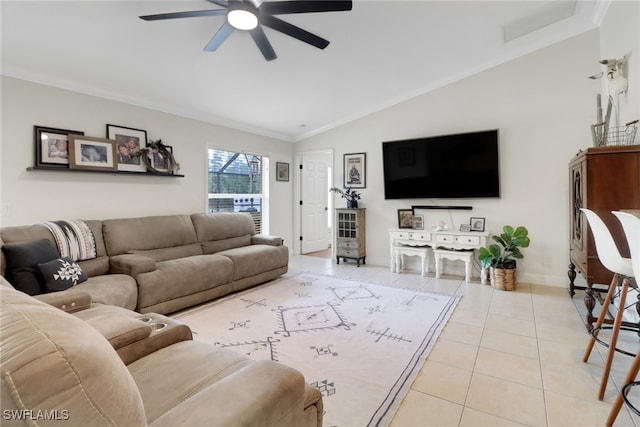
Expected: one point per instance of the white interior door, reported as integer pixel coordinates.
(314, 189)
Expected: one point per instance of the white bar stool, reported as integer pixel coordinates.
(621, 267)
(631, 226)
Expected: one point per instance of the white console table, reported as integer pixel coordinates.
(444, 239)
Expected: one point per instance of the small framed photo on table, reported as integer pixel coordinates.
(405, 218)
(476, 224)
(418, 222)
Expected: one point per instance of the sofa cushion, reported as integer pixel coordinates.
(219, 388)
(255, 259)
(22, 264)
(60, 274)
(166, 254)
(111, 289)
(53, 361)
(180, 277)
(220, 231)
(152, 232)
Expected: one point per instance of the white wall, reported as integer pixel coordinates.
(543, 104)
(34, 196)
(620, 36)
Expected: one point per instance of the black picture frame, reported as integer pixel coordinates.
(355, 170)
(476, 223)
(282, 171)
(46, 139)
(134, 139)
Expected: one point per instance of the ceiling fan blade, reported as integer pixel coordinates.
(223, 3)
(307, 6)
(219, 37)
(261, 40)
(189, 14)
(293, 31)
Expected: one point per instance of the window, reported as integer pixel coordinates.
(235, 184)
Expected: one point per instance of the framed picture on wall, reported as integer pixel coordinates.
(355, 168)
(52, 146)
(128, 143)
(92, 153)
(282, 171)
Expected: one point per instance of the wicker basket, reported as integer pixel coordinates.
(503, 279)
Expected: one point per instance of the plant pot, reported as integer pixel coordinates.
(503, 279)
(352, 204)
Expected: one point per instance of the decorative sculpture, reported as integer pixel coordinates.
(616, 83)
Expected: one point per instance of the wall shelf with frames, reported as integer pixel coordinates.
(112, 172)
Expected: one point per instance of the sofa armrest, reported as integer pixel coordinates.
(131, 264)
(265, 239)
(71, 300)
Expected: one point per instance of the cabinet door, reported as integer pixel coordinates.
(578, 187)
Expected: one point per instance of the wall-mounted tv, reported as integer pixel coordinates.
(464, 165)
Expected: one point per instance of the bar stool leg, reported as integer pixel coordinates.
(617, 404)
(603, 314)
(614, 338)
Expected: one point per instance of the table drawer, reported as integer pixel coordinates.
(418, 235)
(445, 238)
(411, 235)
(348, 252)
(347, 243)
(468, 240)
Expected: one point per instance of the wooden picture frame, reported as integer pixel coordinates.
(52, 146)
(282, 171)
(90, 153)
(355, 170)
(476, 224)
(405, 218)
(128, 142)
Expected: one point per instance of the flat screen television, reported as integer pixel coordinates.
(464, 165)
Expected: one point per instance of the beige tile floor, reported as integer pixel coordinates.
(504, 358)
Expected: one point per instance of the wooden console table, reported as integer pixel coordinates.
(444, 239)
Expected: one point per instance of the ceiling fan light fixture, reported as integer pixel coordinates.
(242, 16)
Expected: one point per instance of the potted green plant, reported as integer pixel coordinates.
(501, 259)
(351, 195)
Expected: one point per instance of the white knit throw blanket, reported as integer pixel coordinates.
(74, 239)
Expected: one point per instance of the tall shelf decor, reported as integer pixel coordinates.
(350, 235)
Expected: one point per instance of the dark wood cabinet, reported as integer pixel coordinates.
(602, 179)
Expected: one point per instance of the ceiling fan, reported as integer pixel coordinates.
(250, 16)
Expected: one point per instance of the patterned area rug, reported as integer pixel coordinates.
(361, 344)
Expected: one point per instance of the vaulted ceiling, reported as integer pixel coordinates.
(381, 53)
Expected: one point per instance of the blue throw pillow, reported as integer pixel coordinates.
(22, 264)
(61, 274)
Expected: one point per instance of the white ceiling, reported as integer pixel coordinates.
(381, 53)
